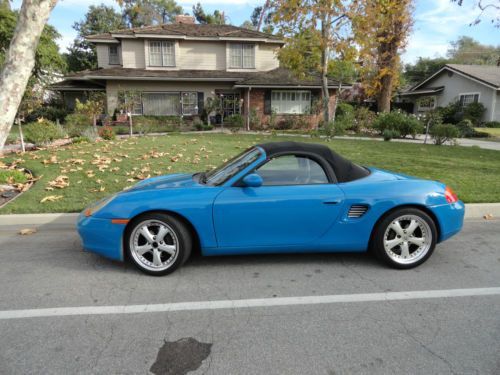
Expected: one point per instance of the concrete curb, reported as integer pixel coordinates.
(38, 219)
(472, 211)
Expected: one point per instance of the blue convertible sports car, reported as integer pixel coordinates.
(278, 197)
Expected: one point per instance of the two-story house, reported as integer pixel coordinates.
(176, 67)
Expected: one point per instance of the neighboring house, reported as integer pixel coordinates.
(177, 67)
(459, 83)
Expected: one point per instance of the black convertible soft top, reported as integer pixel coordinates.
(344, 169)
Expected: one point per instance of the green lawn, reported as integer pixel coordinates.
(472, 172)
(494, 132)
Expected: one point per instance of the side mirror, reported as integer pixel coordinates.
(252, 180)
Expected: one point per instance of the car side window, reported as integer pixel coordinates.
(292, 170)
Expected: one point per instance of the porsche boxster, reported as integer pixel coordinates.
(281, 197)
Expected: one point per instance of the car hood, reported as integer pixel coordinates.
(171, 181)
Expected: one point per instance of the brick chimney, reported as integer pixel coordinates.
(183, 18)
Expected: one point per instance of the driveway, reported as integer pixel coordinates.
(66, 311)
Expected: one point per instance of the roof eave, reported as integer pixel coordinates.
(447, 67)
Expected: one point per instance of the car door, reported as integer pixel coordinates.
(296, 204)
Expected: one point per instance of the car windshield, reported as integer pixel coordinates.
(221, 174)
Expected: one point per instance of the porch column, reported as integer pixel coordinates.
(247, 108)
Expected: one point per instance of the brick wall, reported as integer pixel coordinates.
(257, 103)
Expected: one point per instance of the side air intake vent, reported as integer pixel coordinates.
(357, 210)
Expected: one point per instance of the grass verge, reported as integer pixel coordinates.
(79, 174)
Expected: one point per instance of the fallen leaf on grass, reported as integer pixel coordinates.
(51, 198)
(60, 182)
(27, 231)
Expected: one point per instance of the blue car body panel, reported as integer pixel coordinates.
(245, 220)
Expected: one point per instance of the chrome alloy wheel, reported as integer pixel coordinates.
(407, 239)
(154, 245)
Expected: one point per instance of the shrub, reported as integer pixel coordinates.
(234, 122)
(200, 125)
(90, 134)
(48, 112)
(451, 114)
(492, 124)
(76, 124)
(344, 118)
(363, 119)
(465, 128)
(443, 133)
(389, 134)
(254, 119)
(405, 124)
(107, 133)
(474, 112)
(42, 132)
(153, 124)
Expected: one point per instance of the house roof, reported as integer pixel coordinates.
(186, 31)
(282, 77)
(160, 75)
(428, 90)
(488, 75)
(72, 85)
(275, 78)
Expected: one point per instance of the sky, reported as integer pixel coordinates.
(437, 22)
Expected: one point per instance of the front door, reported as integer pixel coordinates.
(295, 206)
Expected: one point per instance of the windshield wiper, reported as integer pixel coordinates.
(203, 177)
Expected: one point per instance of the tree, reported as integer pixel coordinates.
(93, 107)
(14, 76)
(381, 29)
(128, 101)
(422, 69)
(98, 19)
(466, 50)
(138, 13)
(485, 6)
(318, 24)
(216, 18)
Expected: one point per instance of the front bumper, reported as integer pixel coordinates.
(450, 218)
(101, 236)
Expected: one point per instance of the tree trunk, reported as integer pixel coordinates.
(94, 122)
(130, 124)
(385, 94)
(325, 30)
(20, 60)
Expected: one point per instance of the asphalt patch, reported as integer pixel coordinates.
(180, 357)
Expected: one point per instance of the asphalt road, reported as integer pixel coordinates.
(447, 335)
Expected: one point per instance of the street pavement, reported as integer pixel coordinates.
(362, 333)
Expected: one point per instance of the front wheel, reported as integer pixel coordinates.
(405, 238)
(157, 243)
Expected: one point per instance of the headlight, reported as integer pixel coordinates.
(99, 204)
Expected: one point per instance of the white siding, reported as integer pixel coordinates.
(103, 55)
(455, 84)
(265, 57)
(133, 54)
(201, 55)
(113, 87)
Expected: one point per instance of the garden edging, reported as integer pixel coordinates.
(472, 211)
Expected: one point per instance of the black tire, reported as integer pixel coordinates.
(179, 235)
(377, 244)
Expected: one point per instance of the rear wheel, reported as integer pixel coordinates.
(405, 238)
(157, 243)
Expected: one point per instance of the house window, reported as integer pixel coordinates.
(114, 57)
(161, 104)
(241, 56)
(161, 53)
(230, 103)
(291, 102)
(426, 103)
(466, 99)
(189, 103)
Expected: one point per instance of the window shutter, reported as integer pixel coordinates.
(267, 102)
(201, 102)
